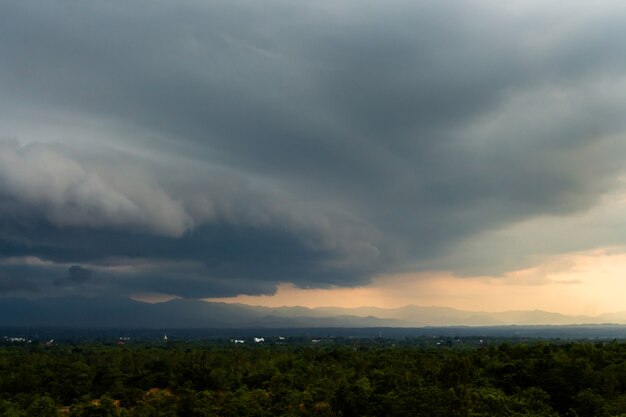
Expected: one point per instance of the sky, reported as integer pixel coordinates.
(468, 154)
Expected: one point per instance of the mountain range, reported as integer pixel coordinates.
(193, 313)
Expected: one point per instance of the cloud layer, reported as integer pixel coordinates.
(212, 149)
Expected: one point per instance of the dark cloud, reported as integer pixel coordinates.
(25, 277)
(14, 283)
(321, 144)
(219, 252)
(76, 275)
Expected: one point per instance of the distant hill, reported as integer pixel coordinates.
(127, 313)
(190, 313)
(444, 316)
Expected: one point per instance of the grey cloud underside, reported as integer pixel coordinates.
(16, 280)
(142, 230)
(336, 140)
(76, 275)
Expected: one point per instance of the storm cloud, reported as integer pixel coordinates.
(76, 275)
(219, 148)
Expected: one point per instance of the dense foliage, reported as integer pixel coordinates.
(540, 379)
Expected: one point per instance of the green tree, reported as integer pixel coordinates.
(8, 409)
(42, 406)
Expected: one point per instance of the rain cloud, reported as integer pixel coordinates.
(206, 149)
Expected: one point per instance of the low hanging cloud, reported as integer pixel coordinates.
(76, 275)
(322, 144)
(239, 238)
(12, 282)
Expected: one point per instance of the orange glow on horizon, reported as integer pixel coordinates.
(579, 283)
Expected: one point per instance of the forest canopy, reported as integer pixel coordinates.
(350, 380)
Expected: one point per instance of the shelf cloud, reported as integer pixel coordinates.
(210, 149)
